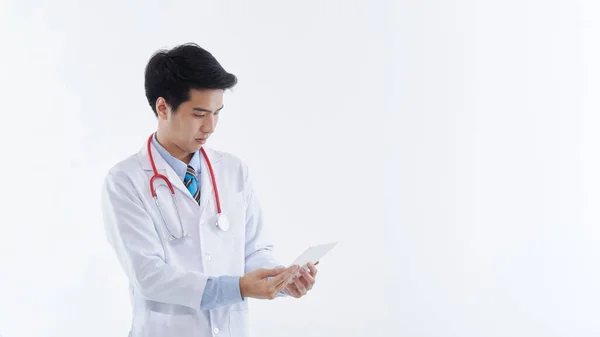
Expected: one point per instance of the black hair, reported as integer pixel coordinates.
(172, 73)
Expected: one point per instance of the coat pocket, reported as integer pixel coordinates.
(166, 325)
(238, 323)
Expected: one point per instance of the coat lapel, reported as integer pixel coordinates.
(206, 187)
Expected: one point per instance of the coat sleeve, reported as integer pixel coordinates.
(131, 233)
(259, 247)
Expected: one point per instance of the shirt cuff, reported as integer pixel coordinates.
(223, 290)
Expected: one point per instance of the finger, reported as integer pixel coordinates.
(305, 272)
(300, 286)
(285, 282)
(282, 278)
(284, 274)
(313, 270)
(276, 287)
(307, 284)
(264, 273)
(308, 279)
(293, 291)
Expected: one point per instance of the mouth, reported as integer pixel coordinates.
(201, 140)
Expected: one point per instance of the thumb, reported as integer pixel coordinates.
(263, 273)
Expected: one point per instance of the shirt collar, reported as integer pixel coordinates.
(177, 165)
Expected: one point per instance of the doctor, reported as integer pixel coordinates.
(182, 218)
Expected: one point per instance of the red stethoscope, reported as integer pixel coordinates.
(222, 221)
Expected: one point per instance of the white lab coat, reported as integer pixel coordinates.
(167, 279)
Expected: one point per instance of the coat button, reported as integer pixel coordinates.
(207, 257)
(216, 330)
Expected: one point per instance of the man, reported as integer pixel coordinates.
(183, 220)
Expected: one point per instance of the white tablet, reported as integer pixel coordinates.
(314, 254)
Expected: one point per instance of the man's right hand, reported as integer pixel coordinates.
(257, 284)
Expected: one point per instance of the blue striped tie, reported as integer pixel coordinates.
(191, 183)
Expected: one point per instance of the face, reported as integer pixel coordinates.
(184, 131)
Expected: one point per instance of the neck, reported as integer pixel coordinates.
(173, 149)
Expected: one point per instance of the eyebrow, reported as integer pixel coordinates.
(206, 110)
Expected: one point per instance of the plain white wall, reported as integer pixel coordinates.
(451, 146)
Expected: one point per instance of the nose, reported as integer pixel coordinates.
(208, 125)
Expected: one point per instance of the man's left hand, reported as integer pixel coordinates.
(302, 284)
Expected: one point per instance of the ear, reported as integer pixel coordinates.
(162, 108)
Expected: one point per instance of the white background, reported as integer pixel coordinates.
(452, 147)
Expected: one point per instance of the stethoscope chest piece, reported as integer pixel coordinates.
(223, 222)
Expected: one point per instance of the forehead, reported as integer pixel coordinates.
(211, 99)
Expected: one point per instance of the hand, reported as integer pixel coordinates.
(266, 283)
(300, 286)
